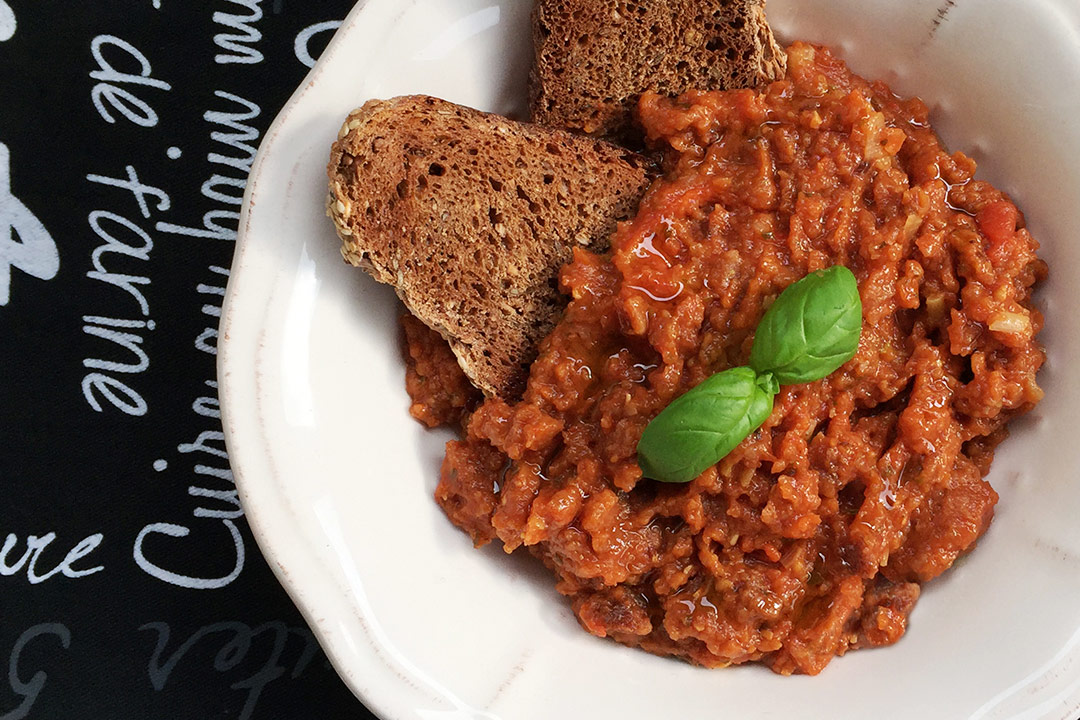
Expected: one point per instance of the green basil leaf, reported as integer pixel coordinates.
(703, 425)
(811, 330)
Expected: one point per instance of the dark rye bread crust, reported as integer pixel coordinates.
(594, 58)
(470, 216)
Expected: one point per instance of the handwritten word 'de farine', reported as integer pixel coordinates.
(120, 357)
(35, 251)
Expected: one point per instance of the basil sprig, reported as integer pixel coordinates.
(811, 330)
(703, 425)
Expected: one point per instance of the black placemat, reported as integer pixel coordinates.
(130, 585)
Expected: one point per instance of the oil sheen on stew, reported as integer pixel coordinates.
(814, 535)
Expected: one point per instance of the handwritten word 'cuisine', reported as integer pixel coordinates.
(218, 503)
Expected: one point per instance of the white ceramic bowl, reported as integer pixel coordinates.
(337, 480)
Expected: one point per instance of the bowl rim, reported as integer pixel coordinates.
(381, 703)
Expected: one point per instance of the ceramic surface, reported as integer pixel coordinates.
(337, 480)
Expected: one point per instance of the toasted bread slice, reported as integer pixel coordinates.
(595, 57)
(470, 216)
